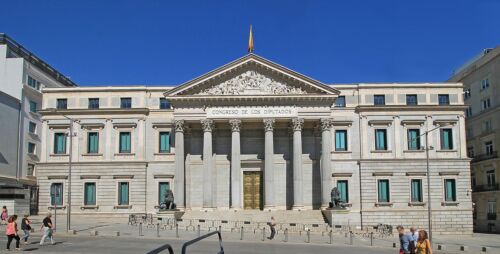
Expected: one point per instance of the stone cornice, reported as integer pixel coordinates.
(302, 97)
(101, 111)
(393, 108)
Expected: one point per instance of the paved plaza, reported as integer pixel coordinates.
(132, 241)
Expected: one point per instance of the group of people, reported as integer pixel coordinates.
(414, 242)
(11, 230)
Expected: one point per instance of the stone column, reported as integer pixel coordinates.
(179, 163)
(269, 164)
(298, 199)
(235, 164)
(208, 126)
(326, 164)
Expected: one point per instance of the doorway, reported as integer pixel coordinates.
(252, 190)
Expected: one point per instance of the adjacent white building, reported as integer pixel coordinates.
(22, 76)
(254, 135)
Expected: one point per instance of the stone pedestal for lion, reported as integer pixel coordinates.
(169, 214)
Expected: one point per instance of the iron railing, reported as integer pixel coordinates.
(187, 244)
(491, 216)
(485, 156)
(486, 187)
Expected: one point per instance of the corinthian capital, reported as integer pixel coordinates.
(179, 125)
(297, 124)
(235, 124)
(268, 124)
(326, 124)
(207, 124)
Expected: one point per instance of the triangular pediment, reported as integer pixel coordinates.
(248, 76)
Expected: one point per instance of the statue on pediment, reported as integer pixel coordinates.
(251, 83)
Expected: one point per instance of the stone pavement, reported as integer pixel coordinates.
(107, 228)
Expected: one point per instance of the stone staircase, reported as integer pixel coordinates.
(294, 221)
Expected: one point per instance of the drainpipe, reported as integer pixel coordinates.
(359, 164)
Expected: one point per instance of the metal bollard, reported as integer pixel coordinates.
(140, 228)
(286, 235)
(350, 237)
(220, 228)
(241, 235)
(371, 239)
(308, 236)
(157, 229)
(177, 230)
(331, 236)
(263, 233)
(199, 230)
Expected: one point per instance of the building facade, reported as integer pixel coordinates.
(481, 78)
(22, 76)
(254, 135)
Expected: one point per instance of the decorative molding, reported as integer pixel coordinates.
(413, 122)
(90, 177)
(124, 125)
(297, 124)
(57, 177)
(347, 123)
(235, 125)
(163, 176)
(162, 125)
(123, 176)
(92, 125)
(416, 173)
(451, 173)
(443, 122)
(383, 174)
(326, 124)
(342, 175)
(251, 83)
(380, 122)
(207, 125)
(179, 125)
(268, 124)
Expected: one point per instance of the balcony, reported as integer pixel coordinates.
(491, 216)
(485, 156)
(486, 187)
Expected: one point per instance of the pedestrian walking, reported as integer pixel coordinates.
(414, 234)
(5, 215)
(26, 227)
(272, 226)
(47, 229)
(405, 241)
(11, 232)
(423, 243)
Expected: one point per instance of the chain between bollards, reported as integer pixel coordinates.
(176, 230)
(140, 228)
(286, 234)
(158, 229)
(241, 235)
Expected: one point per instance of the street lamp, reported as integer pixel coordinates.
(71, 121)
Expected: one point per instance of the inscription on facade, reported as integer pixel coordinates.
(251, 112)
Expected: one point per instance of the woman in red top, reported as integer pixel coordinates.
(11, 232)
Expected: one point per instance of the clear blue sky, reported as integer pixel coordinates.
(104, 42)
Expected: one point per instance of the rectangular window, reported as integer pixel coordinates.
(93, 142)
(31, 148)
(163, 188)
(488, 146)
(485, 104)
(379, 99)
(32, 127)
(59, 143)
(340, 102)
(93, 103)
(31, 169)
(125, 142)
(470, 152)
(164, 104)
(123, 193)
(125, 102)
(446, 139)
(487, 125)
(381, 139)
(383, 191)
(56, 194)
(467, 94)
(33, 107)
(491, 210)
(62, 103)
(340, 140)
(444, 99)
(490, 178)
(343, 188)
(416, 190)
(413, 139)
(411, 99)
(89, 194)
(485, 83)
(450, 192)
(33, 83)
(164, 142)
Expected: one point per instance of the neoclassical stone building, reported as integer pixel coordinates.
(255, 135)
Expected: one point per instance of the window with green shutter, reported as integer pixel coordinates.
(416, 190)
(163, 188)
(59, 143)
(340, 140)
(56, 194)
(446, 139)
(383, 191)
(123, 192)
(93, 142)
(413, 139)
(33, 107)
(164, 142)
(380, 139)
(125, 142)
(450, 191)
(90, 193)
(343, 188)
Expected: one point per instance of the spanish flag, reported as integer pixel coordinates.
(250, 41)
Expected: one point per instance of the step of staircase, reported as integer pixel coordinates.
(288, 216)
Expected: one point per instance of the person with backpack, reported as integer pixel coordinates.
(11, 232)
(26, 227)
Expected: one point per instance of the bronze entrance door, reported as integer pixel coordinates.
(252, 189)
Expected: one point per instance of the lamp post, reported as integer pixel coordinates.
(71, 121)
